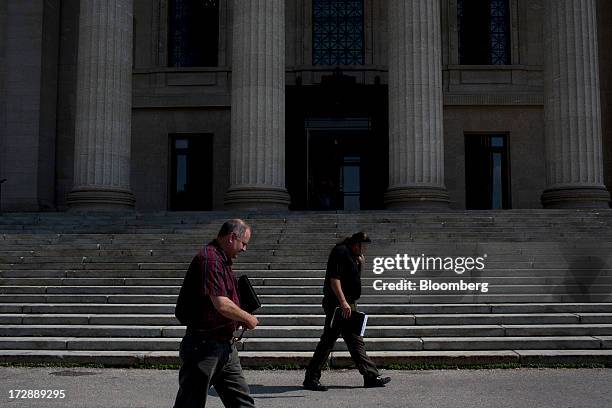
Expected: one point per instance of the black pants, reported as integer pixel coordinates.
(353, 342)
(208, 363)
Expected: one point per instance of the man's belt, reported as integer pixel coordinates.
(203, 334)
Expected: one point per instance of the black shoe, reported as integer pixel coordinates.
(314, 385)
(373, 382)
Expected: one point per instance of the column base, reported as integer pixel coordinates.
(93, 199)
(417, 198)
(576, 197)
(257, 198)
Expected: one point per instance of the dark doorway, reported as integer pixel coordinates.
(487, 173)
(338, 160)
(337, 145)
(191, 172)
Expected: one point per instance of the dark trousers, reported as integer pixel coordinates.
(353, 342)
(208, 363)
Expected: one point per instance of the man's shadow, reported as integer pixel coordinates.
(586, 276)
(257, 390)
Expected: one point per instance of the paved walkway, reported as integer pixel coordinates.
(126, 388)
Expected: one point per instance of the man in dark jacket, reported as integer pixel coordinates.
(341, 289)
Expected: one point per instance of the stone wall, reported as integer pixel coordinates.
(524, 127)
(605, 79)
(151, 151)
(38, 85)
(29, 48)
(66, 103)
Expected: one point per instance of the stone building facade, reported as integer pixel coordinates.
(305, 104)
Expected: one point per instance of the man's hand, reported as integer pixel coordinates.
(337, 288)
(346, 309)
(251, 322)
(231, 310)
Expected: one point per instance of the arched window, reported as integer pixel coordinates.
(484, 32)
(337, 31)
(193, 33)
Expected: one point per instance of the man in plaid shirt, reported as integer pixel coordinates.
(209, 305)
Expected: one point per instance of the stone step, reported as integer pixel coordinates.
(439, 343)
(402, 229)
(420, 286)
(288, 281)
(74, 330)
(275, 218)
(595, 318)
(125, 268)
(315, 220)
(89, 298)
(318, 319)
(434, 297)
(304, 262)
(158, 248)
(153, 255)
(149, 331)
(564, 237)
(318, 218)
(503, 319)
(587, 274)
(382, 240)
(383, 247)
(59, 233)
(108, 290)
(170, 320)
(411, 233)
(308, 344)
(21, 285)
(307, 290)
(558, 330)
(408, 233)
(569, 307)
(591, 310)
(538, 343)
(62, 308)
(339, 359)
(100, 284)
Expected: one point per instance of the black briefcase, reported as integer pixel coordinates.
(248, 298)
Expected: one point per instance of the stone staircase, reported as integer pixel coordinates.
(101, 288)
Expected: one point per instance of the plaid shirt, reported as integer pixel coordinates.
(210, 274)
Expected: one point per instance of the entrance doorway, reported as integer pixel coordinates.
(191, 172)
(487, 173)
(337, 145)
(337, 159)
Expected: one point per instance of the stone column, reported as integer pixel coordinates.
(103, 111)
(257, 160)
(416, 152)
(574, 164)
